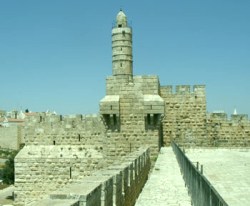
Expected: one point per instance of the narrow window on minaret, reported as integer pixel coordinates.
(121, 64)
(121, 48)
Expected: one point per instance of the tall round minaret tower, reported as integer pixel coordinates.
(122, 59)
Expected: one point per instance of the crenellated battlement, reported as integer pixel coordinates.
(47, 129)
(228, 130)
(239, 117)
(183, 89)
(54, 118)
(218, 115)
(233, 118)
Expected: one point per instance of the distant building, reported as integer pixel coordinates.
(12, 129)
(2, 113)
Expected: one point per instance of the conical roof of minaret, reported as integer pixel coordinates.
(121, 19)
(235, 111)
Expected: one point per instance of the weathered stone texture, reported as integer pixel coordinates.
(42, 169)
(119, 184)
(187, 122)
(137, 116)
(224, 132)
(58, 130)
(185, 115)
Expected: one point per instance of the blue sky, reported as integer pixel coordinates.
(56, 54)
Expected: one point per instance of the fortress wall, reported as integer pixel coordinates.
(187, 122)
(121, 144)
(119, 184)
(58, 130)
(185, 115)
(40, 170)
(224, 132)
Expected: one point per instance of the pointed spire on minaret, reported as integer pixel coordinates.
(122, 58)
(235, 111)
(121, 19)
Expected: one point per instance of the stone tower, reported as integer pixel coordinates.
(132, 108)
(122, 59)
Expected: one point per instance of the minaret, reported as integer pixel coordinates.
(122, 59)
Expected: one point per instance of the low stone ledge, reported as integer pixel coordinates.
(119, 184)
(56, 202)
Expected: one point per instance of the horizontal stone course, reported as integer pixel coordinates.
(119, 184)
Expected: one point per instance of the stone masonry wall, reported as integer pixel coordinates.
(40, 170)
(224, 132)
(56, 151)
(59, 130)
(119, 184)
(187, 123)
(132, 126)
(90, 130)
(116, 85)
(185, 115)
(121, 144)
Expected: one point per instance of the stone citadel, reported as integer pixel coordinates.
(136, 116)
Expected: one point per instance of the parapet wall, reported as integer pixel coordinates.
(186, 120)
(183, 89)
(234, 118)
(119, 184)
(228, 132)
(64, 130)
(40, 170)
(59, 120)
(185, 114)
(119, 144)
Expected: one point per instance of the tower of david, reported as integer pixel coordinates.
(105, 158)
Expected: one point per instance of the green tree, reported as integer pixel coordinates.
(8, 172)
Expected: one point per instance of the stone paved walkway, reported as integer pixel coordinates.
(228, 170)
(165, 185)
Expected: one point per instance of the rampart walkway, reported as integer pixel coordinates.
(165, 185)
(228, 171)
